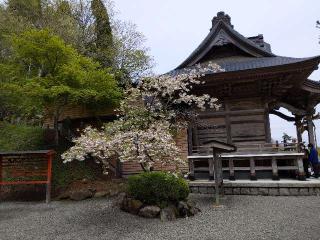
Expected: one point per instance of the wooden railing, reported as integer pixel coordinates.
(254, 148)
(30, 167)
(270, 154)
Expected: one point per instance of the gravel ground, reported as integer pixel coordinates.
(243, 217)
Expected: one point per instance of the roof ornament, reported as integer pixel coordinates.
(221, 16)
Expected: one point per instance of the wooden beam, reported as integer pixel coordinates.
(292, 109)
(283, 116)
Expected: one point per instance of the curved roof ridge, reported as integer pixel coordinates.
(223, 31)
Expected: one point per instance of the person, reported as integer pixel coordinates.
(305, 150)
(313, 159)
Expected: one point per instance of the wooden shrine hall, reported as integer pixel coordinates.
(256, 83)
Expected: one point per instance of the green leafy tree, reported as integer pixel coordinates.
(103, 32)
(28, 9)
(57, 76)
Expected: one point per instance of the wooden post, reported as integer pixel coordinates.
(228, 122)
(252, 169)
(211, 168)
(311, 135)
(267, 124)
(301, 173)
(216, 178)
(0, 172)
(231, 170)
(48, 186)
(275, 175)
(189, 136)
(299, 135)
(191, 166)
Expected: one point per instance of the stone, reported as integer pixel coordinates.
(194, 189)
(294, 191)
(149, 211)
(274, 191)
(114, 192)
(228, 191)
(64, 195)
(236, 191)
(81, 194)
(203, 190)
(101, 194)
(168, 214)
(130, 205)
(304, 192)
(191, 203)
(263, 191)
(193, 211)
(254, 191)
(183, 209)
(284, 192)
(312, 191)
(211, 190)
(245, 191)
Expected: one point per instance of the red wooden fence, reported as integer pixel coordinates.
(30, 167)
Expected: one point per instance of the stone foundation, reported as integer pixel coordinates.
(264, 188)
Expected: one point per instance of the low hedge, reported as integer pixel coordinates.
(20, 137)
(158, 188)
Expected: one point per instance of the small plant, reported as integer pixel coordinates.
(158, 188)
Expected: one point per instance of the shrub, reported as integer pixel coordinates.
(20, 137)
(158, 188)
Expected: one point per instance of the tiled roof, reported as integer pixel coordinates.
(239, 63)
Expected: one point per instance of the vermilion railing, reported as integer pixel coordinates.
(29, 167)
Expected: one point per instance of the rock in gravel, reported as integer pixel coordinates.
(193, 211)
(191, 203)
(149, 211)
(183, 209)
(134, 206)
(81, 194)
(168, 214)
(101, 194)
(129, 204)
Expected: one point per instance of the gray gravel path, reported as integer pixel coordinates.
(244, 217)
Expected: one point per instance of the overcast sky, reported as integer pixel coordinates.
(174, 28)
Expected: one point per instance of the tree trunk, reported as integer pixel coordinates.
(56, 130)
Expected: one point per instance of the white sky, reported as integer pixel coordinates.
(174, 28)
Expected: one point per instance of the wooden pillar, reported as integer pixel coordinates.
(252, 169)
(217, 177)
(191, 167)
(275, 175)
(195, 140)
(231, 170)
(301, 173)
(0, 172)
(310, 130)
(228, 123)
(267, 124)
(49, 174)
(298, 126)
(211, 168)
(189, 136)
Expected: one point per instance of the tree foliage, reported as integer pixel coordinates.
(104, 39)
(151, 113)
(55, 75)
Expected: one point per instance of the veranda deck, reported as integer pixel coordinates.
(293, 161)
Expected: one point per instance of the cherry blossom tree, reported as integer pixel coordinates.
(149, 117)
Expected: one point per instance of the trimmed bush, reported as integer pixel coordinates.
(20, 137)
(158, 188)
